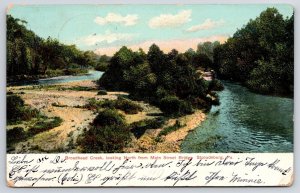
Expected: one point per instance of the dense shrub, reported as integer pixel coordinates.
(108, 133)
(15, 107)
(108, 117)
(17, 111)
(215, 85)
(139, 128)
(101, 67)
(172, 105)
(102, 92)
(125, 105)
(75, 71)
(105, 139)
(14, 135)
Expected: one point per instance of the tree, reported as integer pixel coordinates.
(263, 48)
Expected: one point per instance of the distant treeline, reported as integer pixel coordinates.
(260, 55)
(29, 54)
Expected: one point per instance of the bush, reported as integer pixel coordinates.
(15, 107)
(17, 111)
(75, 71)
(105, 139)
(14, 135)
(102, 67)
(102, 92)
(170, 129)
(172, 105)
(44, 125)
(56, 72)
(108, 117)
(127, 106)
(215, 85)
(139, 128)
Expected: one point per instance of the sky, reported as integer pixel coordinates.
(106, 28)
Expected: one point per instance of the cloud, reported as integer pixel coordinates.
(169, 20)
(207, 24)
(107, 37)
(127, 20)
(165, 45)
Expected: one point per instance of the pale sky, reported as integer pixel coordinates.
(105, 28)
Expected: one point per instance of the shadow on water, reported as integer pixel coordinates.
(244, 122)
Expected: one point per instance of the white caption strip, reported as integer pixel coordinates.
(93, 170)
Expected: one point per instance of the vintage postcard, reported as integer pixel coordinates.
(150, 95)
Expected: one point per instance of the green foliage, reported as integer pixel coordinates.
(172, 105)
(125, 105)
(103, 63)
(108, 117)
(75, 71)
(81, 88)
(102, 92)
(105, 139)
(215, 85)
(170, 129)
(15, 134)
(44, 125)
(155, 75)
(17, 111)
(260, 55)
(139, 128)
(30, 55)
(109, 134)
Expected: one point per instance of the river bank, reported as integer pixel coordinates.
(65, 100)
(21, 79)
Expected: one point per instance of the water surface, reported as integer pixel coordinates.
(244, 122)
(91, 75)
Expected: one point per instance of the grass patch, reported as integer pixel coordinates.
(170, 129)
(82, 88)
(44, 125)
(138, 128)
(129, 107)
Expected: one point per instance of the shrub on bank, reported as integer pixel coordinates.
(172, 105)
(14, 135)
(215, 85)
(108, 117)
(108, 133)
(17, 111)
(44, 125)
(105, 139)
(102, 92)
(139, 128)
(125, 105)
